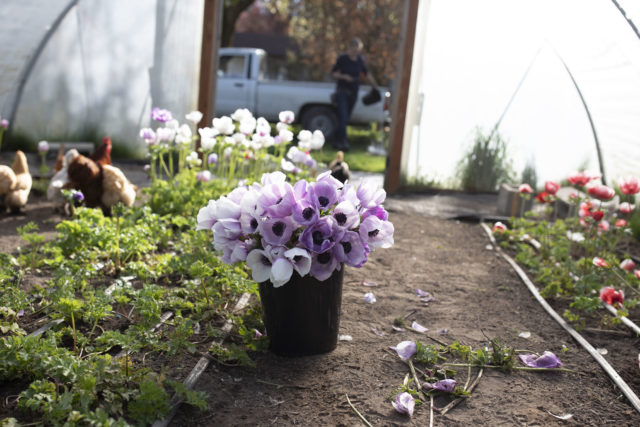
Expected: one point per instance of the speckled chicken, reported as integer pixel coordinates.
(15, 183)
(116, 188)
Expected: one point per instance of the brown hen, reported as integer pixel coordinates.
(102, 155)
(86, 175)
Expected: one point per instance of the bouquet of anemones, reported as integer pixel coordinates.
(310, 227)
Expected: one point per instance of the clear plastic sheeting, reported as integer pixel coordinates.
(106, 65)
(474, 56)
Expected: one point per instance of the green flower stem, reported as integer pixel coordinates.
(75, 337)
(518, 368)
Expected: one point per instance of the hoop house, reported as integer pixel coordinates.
(559, 79)
(86, 67)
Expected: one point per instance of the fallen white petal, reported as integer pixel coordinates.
(563, 417)
(524, 334)
(488, 247)
(603, 351)
(345, 338)
(418, 327)
(377, 332)
(397, 328)
(369, 284)
(369, 297)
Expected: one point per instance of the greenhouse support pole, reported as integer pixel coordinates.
(400, 95)
(34, 58)
(211, 25)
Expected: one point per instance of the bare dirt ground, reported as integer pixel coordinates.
(477, 296)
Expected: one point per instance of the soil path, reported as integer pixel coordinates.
(476, 295)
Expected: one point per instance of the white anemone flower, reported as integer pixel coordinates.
(172, 124)
(241, 114)
(280, 126)
(247, 125)
(165, 134)
(260, 264)
(286, 116)
(183, 135)
(317, 140)
(208, 138)
(301, 260)
(194, 117)
(193, 159)
(262, 127)
(287, 166)
(286, 136)
(224, 125)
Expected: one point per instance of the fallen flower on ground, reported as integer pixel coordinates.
(546, 360)
(405, 349)
(418, 327)
(524, 334)
(369, 297)
(369, 284)
(611, 296)
(447, 385)
(404, 403)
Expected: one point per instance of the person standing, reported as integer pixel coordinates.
(347, 70)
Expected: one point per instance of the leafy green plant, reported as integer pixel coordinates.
(486, 164)
(28, 232)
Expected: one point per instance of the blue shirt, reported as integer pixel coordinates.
(346, 65)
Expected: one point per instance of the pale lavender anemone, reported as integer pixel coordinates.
(346, 215)
(300, 259)
(203, 176)
(377, 211)
(406, 349)
(350, 250)
(161, 115)
(404, 403)
(225, 231)
(207, 216)
(301, 189)
(240, 250)
(326, 177)
(227, 207)
(305, 212)
(237, 194)
(323, 195)
(323, 265)
(446, 385)
(370, 195)
(376, 233)
(148, 135)
(277, 231)
(277, 199)
(546, 360)
(249, 223)
(319, 237)
(212, 159)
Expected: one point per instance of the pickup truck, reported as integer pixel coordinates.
(243, 83)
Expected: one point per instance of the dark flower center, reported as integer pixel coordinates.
(324, 257)
(373, 233)
(279, 200)
(318, 238)
(265, 261)
(341, 218)
(307, 213)
(323, 201)
(346, 246)
(297, 258)
(254, 223)
(278, 228)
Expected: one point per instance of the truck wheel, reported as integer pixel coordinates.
(320, 118)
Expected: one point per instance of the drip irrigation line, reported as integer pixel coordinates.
(624, 319)
(202, 364)
(45, 328)
(615, 377)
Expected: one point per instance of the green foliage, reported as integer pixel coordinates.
(486, 165)
(151, 404)
(529, 175)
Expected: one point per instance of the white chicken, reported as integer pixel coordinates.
(15, 183)
(116, 188)
(61, 178)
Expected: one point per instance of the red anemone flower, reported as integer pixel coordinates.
(551, 187)
(544, 197)
(611, 296)
(627, 264)
(525, 188)
(601, 192)
(597, 215)
(621, 223)
(579, 179)
(630, 185)
(599, 262)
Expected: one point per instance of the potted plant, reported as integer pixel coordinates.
(296, 240)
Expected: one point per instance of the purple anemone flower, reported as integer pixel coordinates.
(277, 231)
(346, 215)
(369, 298)
(377, 211)
(225, 231)
(212, 159)
(404, 403)
(319, 237)
(370, 195)
(376, 233)
(277, 199)
(323, 195)
(249, 223)
(78, 197)
(301, 189)
(300, 259)
(260, 264)
(207, 216)
(161, 115)
(406, 349)
(323, 265)
(447, 385)
(547, 360)
(327, 178)
(305, 212)
(350, 250)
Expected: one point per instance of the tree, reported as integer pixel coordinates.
(232, 10)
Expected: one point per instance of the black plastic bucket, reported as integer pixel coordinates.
(302, 317)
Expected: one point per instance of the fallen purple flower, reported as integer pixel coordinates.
(20, 313)
(448, 385)
(427, 299)
(404, 403)
(369, 284)
(547, 360)
(369, 297)
(443, 331)
(405, 349)
(421, 293)
(380, 333)
(418, 327)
